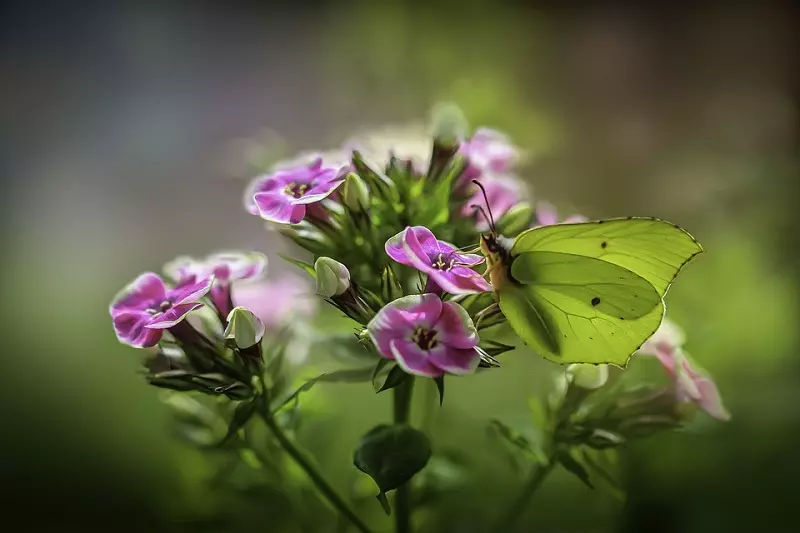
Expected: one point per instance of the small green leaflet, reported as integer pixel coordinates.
(391, 456)
(592, 292)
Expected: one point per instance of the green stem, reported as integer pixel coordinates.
(402, 500)
(306, 463)
(534, 481)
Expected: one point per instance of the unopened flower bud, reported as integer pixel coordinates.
(333, 278)
(244, 328)
(449, 124)
(588, 376)
(356, 193)
(517, 219)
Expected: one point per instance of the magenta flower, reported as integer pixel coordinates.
(691, 383)
(547, 215)
(446, 267)
(226, 267)
(426, 336)
(487, 152)
(502, 193)
(285, 195)
(145, 308)
(277, 303)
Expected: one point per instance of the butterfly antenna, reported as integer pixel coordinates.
(490, 218)
(483, 212)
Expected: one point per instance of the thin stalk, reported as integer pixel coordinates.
(304, 461)
(534, 481)
(402, 500)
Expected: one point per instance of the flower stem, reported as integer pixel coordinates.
(306, 463)
(534, 481)
(402, 500)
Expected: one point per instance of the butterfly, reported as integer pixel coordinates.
(586, 292)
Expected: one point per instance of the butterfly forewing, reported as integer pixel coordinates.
(654, 249)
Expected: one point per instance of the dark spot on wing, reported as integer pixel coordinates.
(600, 221)
(595, 301)
(622, 318)
(603, 244)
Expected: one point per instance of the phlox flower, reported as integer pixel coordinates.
(444, 264)
(547, 215)
(427, 337)
(145, 308)
(285, 195)
(691, 383)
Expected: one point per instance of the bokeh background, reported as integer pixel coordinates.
(120, 122)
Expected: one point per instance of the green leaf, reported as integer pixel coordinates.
(394, 378)
(241, 415)
(603, 467)
(391, 289)
(358, 375)
(574, 466)
(391, 456)
(494, 348)
(376, 372)
(440, 386)
(512, 436)
(309, 269)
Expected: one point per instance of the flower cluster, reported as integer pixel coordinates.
(394, 233)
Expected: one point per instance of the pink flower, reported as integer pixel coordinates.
(691, 383)
(445, 266)
(226, 267)
(426, 336)
(487, 152)
(502, 193)
(546, 215)
(145, 308)
(277, 302)
(285, 195)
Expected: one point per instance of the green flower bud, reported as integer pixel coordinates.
(355, 195)
(516, 219)
(588, 376)
(333, 278)
(449, 124)
(244, 328)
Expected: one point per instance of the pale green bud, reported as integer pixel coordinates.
(333, 278)
(588, 376)
(449, 123)
(516, 219)
(355, 195)
(244, 328)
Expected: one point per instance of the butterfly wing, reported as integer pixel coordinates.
(592, 292)
(654, 249)
(576, 309)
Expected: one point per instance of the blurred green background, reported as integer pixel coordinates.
(120, 119)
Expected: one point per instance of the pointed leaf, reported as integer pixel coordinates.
(391, 456)
(357, 375)
(241, 415)
(440, 386)
(309, 269)
(569, 462)
(395, 377)
(494, 348)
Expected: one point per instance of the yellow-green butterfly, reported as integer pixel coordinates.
(587, 292)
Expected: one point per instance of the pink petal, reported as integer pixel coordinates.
(459, 280)
(455, 327)
(130, 329)
(395, 249)
(414, 359)
(455, 361)
(278, 207)
(172, 316)
(710, 400)
(190, 292)
(546, 214)
(321, 190)
(140, 294)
